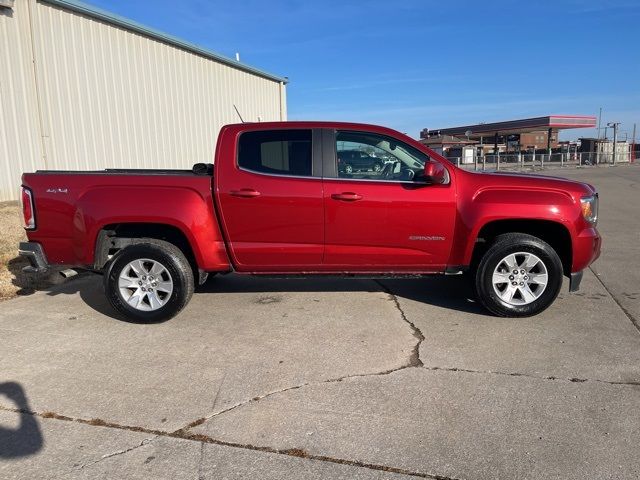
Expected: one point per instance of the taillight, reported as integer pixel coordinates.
(28, 213)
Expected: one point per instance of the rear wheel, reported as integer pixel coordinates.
(348, 168)
(520, 275)
(149, 281)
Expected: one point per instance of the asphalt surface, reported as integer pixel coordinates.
(325, 378)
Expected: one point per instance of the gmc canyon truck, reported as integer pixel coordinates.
(275, 202)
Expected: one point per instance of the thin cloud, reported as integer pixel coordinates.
(582, 6)
(390, 81)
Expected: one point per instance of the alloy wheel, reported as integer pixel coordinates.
(520, 278)
(145, 284)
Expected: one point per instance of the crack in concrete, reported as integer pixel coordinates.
(117, 453)
(201, 420)
(414, 359)
(184, 435)
(255, 399)
(617, 302)
(528, 375)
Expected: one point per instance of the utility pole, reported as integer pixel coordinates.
(633, 144)
(615, 138)
(599, 118)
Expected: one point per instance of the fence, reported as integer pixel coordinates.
(515, 161)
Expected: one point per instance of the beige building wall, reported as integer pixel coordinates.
(80, 93)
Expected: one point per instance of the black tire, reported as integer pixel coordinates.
(377, 167)
(503, 246)
(175, 263)
(348, 168)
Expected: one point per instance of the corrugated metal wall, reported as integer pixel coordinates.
(20, 143)
(102, 96)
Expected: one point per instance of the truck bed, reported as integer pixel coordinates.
(81, 203)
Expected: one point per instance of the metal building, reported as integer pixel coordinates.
(83, 89)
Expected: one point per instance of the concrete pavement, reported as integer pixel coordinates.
(327, 378)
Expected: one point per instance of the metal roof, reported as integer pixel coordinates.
(558, 122)
(446, 140)
(128, 24)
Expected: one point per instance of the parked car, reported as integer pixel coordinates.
(276, 202)
(350, 161)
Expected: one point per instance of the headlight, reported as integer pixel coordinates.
(590, 208)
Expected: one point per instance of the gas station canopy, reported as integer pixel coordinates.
(525, 125)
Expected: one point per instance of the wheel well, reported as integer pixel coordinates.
(555, 234)
(117, 236)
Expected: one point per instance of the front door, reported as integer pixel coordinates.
(392, 219)
(270, 202)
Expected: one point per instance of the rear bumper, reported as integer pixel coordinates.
(33, 252)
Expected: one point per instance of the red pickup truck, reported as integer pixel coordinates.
(280, 198)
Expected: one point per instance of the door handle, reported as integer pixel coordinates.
(346, 196)
(245, 193)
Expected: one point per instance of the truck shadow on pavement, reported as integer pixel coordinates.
(26, 439)
(452, 293)
(26, 284)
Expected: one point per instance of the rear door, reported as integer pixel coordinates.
(270, 201)
(387, 220)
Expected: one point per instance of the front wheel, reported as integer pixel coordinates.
(149, 281)
(519, 276)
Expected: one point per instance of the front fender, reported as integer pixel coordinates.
(494, 204)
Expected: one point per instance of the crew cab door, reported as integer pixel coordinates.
(270, 200)
(392, 220)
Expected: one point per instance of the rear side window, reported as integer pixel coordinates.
(280, 152)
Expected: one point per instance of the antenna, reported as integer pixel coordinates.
(234, 106)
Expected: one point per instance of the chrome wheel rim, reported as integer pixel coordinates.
(348, 169)
(377, 167)
(145, 284)
(520, 278)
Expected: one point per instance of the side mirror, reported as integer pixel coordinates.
(421, 177)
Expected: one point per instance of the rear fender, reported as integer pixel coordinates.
(183, 208)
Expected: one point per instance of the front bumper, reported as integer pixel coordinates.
(586, 249)
(35, 254)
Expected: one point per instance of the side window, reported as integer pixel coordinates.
(281, 152)
(363, 155)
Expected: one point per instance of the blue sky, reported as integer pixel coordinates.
(415, 63)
